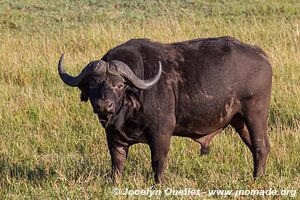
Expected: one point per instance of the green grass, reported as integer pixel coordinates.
(51, 145)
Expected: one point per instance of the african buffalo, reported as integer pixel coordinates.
(146, 92)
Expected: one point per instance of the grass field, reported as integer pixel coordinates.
(51, 145)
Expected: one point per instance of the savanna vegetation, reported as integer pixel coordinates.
(52, 145)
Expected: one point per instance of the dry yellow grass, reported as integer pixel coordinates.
(53, 146)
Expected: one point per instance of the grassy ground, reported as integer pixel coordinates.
(51, 145)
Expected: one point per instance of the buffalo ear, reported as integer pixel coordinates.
(84, 95)
(132, 99)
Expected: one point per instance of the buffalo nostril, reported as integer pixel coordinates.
(97, 107)
(110, 105)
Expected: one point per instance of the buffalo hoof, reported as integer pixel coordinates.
(204, 151)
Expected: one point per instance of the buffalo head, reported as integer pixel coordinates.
(105, 84)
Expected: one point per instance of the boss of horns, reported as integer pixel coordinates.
(115, 66)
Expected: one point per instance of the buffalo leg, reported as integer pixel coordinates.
(238, 123)
(256, 118)
(118, 155)
(159, 153)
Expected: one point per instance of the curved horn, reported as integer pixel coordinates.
(77, 80)
(125, 71)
